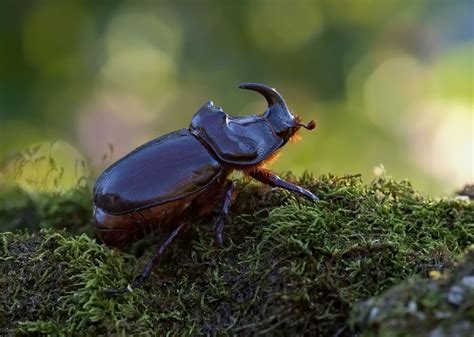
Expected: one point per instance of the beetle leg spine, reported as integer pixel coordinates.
(223, 213)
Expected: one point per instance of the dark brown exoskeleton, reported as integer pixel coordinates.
(182, 175)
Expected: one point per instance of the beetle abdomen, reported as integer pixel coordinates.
(119, 230)
(165, 169)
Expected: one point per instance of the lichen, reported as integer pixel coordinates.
(288, 266)
(441, 306)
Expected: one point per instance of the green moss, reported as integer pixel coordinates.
(70, 210)
(287, 267)
(443, 306)
(53, 283)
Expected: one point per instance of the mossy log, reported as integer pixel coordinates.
(288, 267)
(441, 306)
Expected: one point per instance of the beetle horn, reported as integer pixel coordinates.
(271, 95)
(277, 112)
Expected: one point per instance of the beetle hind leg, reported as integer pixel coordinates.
(223, 214)
(138, 281)
(156, 257)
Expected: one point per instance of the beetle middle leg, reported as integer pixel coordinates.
(269, 178)
(138, 281)
(223, 214)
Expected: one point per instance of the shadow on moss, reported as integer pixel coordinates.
(288, 267)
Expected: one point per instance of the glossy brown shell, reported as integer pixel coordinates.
(168, 168)
(119, 230)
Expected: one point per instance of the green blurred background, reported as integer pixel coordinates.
(388, 82)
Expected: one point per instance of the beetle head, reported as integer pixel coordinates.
(283, 122)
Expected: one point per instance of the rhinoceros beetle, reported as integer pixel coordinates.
(162, 184)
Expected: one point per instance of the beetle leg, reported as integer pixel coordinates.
(224, 212)
(138, 281)
(270, 178)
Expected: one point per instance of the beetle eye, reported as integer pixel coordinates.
(282, 134)
(286, 133)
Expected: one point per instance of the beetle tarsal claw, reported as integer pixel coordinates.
(115, 292)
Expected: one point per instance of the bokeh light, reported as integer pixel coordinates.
(387, 82)
(141, 52)
(50, 166)
(277, 26)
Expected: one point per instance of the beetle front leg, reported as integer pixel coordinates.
(224, 212)
(270, 178)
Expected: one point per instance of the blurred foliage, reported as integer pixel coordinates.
(387, 81)
(289, 267)
(71, 210)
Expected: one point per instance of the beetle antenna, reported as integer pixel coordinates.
(310, 126)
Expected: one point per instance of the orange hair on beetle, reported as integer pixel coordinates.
(295, 138)
(271, 159)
